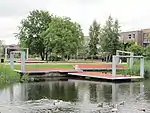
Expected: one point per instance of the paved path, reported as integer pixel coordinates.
(99, 66)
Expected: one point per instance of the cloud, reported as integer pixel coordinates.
(15, 8)
(132, 14)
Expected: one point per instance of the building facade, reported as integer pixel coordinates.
(140, 37)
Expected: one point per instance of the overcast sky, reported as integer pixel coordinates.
(132, 14)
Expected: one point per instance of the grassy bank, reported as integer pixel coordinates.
(40, 66)
(7, 75)
(136, 69)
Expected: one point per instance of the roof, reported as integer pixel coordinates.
(144, 30)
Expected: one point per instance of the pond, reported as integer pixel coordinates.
(74, 96)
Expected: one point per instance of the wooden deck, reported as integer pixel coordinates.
(99, 67)
(47, 70)
(106, 76)
(78, 72)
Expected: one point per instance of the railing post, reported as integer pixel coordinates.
(11, 60)
(27, 54)
(142, 67)
(114, 66)
(22, 61)
(131, 61)
(117, 59)
(5, 53)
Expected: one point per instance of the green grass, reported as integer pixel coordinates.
(7, 75)
(136, 69)
(38, 66)
(55, 65)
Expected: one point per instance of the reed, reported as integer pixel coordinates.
(7, 75)
(136, 69)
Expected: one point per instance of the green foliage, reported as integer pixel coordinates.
(63, 37)
(125, 45)
(7, 75)
(94, 33)
(136, 69)
(31, 29)
(24, 78)
(1, 48)
(147, 69)
(136, 49)
(54, 57)
(147, 52)
(110, 36)
(45, 34)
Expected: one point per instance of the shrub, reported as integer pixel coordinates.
(136, 69)
(7, 75)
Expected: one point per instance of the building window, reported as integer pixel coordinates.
(146, 35)
(129, 36)
(133, 35)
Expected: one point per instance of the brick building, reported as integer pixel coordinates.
(140, 37)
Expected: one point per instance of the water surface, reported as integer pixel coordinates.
(74, 96)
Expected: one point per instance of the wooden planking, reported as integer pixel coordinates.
(102, 76)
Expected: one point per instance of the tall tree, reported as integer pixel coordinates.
(94, 33)
(31, 29)
(63, 37)
(110, 36)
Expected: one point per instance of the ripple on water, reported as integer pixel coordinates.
(83, 97)
(39, 106)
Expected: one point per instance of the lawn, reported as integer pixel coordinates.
(41, 66)
(55, 65)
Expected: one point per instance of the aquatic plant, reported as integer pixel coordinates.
(7, 75)
(136, 69)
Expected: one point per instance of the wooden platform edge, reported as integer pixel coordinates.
(47, 71)
(133, 78)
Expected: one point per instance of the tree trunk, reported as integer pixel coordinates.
(46, 57)
(42, 56)
(92, 58)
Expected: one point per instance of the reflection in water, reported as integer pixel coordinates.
(107, 91)
(93, 92)
(52, 90)
(86, 94)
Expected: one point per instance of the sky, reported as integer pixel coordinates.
(132, 14)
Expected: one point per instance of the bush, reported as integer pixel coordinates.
(136, 69)
(7, 75)
(55, 58)
(136, 49)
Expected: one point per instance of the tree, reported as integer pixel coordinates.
(109, 40)
(125, 45)
(63, 37)
(30, 31)
(147, 51)
(136, 49)
(94, 33)
(2, 48)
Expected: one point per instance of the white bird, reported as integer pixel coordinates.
(57, 102)
(115, 109)
(100, 105)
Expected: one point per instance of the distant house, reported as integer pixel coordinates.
(140, 37)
